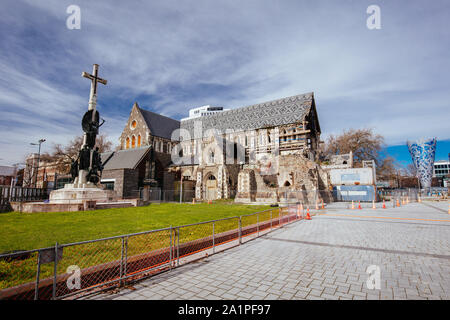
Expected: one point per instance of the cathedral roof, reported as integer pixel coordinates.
(267, 114)
(159, 125)
(124, 159)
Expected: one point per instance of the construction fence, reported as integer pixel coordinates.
(76, 269)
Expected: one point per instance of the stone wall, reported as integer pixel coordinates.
(126, 182)
(118, 175)
(140, 129)
(297, 179)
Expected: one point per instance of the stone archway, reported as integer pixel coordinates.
(211, 187)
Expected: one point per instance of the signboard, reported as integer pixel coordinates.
(48, 255)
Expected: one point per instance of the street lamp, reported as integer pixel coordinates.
(39, 155)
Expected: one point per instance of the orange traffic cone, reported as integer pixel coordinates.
(398, 202)
(373, 204)
(359, 205)
(308, 217)
(323, 207)
(384, 204)
(353, 205)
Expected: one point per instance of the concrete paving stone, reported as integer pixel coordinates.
(219, 292)
(329, 291)
(228, 296)
(357, 293)
(311, 297)
(271, 297)
(234, 290)
(277, 268)
(345, 296)
(286, 296)
(239, 285)
(329, 296)
(315, 292)
(373, 296)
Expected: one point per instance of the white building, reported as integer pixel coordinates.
(203, 111)
(441, 168)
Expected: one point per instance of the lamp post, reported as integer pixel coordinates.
(39, 155)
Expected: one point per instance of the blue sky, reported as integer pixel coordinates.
(170, 56)
(401, 153)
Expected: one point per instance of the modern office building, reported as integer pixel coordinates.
(203, 111)
(441, 168)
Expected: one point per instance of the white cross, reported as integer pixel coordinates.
(94, 80)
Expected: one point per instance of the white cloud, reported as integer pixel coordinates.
(391, 79)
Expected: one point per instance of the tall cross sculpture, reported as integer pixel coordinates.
(89, 162)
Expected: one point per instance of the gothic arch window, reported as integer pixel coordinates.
(133, 141)
(127, 143)
(211, 157)
(133, 124)
(139, 141)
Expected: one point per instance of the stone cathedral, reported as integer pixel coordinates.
(263, 153)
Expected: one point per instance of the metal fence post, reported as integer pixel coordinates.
(178, 246)
(240, 231)
(121, 261)
(213, 236)
(170, 248)
(257, 224)
(38, 274)
(279, 217)
(126, 257)
(271, 220)
(55, 271)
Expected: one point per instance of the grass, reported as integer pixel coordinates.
(22, 231)
(25, 231)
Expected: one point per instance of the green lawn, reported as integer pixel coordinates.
(24, 231)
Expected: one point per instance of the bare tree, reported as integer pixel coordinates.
(411, 170)
(365, 145)
(62, 156)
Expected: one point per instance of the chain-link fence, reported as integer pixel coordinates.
(73, 270)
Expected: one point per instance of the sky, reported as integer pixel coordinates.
(171, 56)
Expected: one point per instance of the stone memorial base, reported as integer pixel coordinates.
(72, 193)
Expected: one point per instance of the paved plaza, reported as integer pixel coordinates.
(325, 258)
